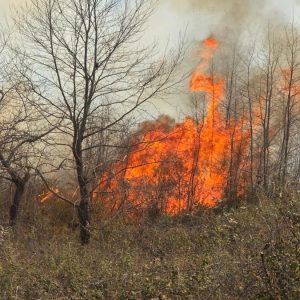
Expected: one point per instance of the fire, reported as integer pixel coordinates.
(177, 167)
(46, 196)
(70, 194)
(210, 43)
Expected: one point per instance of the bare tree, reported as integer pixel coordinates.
(198, 116)
(83, 56)
(269, 65)
(250, 100)
(20, 129)
(291, 91)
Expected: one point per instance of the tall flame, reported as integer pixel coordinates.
(177, 167)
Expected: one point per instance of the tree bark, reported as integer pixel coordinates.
(84, 221)
(19, 192)
(83, 208)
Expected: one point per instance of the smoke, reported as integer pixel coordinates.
(233, 16)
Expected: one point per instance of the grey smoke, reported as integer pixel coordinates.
(235, 16)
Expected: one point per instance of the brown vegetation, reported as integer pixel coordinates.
(251, 252)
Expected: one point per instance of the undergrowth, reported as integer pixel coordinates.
(249, 252)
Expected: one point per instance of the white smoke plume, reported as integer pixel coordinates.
(235, 16)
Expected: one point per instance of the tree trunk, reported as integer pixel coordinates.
(83, 208)
(83, 213)
(13, 211)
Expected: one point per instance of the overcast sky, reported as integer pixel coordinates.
(202, 18)
(205, 17)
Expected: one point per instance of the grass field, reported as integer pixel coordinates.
(249, 252)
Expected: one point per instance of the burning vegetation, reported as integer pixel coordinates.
(177, 167)
(174, 167)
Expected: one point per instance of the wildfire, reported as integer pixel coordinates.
(177, 167)
(46, 196)
(69, 193)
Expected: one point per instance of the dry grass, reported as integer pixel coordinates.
(252, 252)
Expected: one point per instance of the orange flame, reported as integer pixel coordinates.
(44, 197)
(181, 166)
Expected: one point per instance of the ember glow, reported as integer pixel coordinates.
(46, 196)
(177, 167)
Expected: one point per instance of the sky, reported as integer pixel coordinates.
(201, 18)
